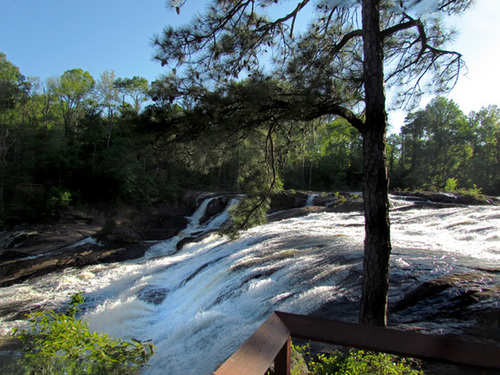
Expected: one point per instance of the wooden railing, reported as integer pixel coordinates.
(271, 342)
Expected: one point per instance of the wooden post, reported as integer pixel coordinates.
(282, 360)
(258, 352)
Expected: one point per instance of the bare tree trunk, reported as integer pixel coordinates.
(4, 147)
(377, 246)
(303, 169)
(310, 174)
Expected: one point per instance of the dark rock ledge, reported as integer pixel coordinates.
(28, 251)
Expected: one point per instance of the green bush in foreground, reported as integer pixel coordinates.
(355, 362)
(361, 362)
(57, 343)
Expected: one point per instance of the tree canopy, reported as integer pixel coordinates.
(236, 39)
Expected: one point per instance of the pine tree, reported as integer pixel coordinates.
(339, 66)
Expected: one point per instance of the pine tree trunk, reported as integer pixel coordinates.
(377, 246)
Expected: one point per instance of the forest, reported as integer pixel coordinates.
(83, 140)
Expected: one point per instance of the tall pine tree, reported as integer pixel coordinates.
(339, 66)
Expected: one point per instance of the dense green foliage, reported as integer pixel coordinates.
(58, 343)
(77, 140)
(354, 362)
(362, 363)
(440, 147)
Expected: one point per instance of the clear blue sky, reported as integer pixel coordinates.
(47, 37)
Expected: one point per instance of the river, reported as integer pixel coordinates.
(200, 303)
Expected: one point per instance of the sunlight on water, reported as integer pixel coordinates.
(471, 231)
(200, 303)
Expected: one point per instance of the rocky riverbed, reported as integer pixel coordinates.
(428, 288)
(113, 234)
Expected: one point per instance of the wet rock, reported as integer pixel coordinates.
(154, 296)
(73, 215)
(215, 207)
(288, 199)
(346, 204)
(114, 232)
(294, 212)
(163, 227)
(438, 197)
(42, 239)
(34, 250)
(16, 271)
(441, 199)
(11, 254)
(195, 238)
(486, 325)
(158, 223)
(19, 238)
(432, 288)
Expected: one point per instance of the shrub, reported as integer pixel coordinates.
(474, 192)
(355, 362)
(57, 200)
(360, 362)
(451, 185)
(58, 343)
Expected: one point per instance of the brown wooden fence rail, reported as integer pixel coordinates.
(272, 340)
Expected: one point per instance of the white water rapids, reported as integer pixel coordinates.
(200, 303)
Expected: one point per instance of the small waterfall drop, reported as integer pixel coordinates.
(310, 199)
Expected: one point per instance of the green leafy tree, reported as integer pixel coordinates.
(74, 88)
(485, 125)
(135, 88)
(335, 67)
(341, 150)
(47, 96)
(438, 143)
(108, 98)
(394, 157)
(448, 145)
(13, 94)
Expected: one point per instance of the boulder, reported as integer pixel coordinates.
(162, 227)
(343, 204)
(122, 232)
(288, 199)
(215, 207)
(438, 197)
(432, 288)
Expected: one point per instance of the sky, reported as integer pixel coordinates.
(45, 38)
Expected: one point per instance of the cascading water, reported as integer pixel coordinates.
(200, 303)
(310, 199)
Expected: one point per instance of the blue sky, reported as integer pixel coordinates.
(47, 37)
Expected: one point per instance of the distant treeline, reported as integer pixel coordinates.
(77, 140)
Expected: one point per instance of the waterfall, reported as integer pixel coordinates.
(310, 199)
(199, 303)
(193, 228)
